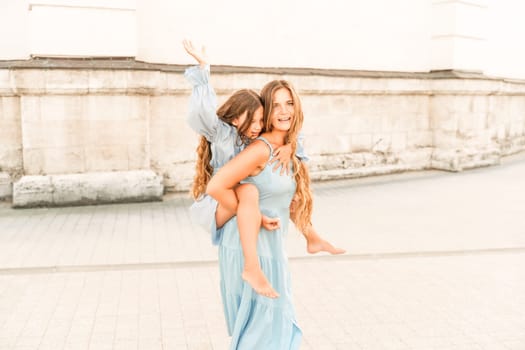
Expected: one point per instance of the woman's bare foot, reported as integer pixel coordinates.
(320, 245)
(259, 283)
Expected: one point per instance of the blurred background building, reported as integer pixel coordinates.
(91, 87)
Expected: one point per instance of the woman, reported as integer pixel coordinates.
(253, 321)
(224, 134)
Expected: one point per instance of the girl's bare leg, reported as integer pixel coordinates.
(315, 244)
(249, 222)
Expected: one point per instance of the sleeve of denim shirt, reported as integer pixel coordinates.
(300, 152)
(202, 116)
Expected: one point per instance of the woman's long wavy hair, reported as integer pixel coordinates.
(301, 214)
(241, 101)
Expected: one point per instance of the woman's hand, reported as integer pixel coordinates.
(282, 156)
(200, 56)
(270, 224)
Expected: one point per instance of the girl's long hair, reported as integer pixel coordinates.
(241, 101)
(301, 214)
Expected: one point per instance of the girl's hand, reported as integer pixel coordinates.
(282, 156)
(200, 56)
(270, 224)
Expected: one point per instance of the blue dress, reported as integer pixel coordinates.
(256, 322)
(223, 137)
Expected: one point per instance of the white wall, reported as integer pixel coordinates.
(14, 44)
(379, 35)
(82, 28)
(506, 39)
(368, 35)
(459, 35)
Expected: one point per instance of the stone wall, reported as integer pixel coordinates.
(87, 116)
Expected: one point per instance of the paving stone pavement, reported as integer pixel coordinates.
(435, 261)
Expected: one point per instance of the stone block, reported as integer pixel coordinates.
(170, 82)
(29, 81)
(420, 139)
(168, 107)
(61, 108)
(465, 158)
(445, 119)
(107, 107)
(107, 81)
(381, 142)
(6, 187)
(516, 129)
(5, 82)
(53, 133)
(445, 139)
(416, 159)
(399, 141)
(32, 191)
(143, 82)
(10, 133)
(87, 188)
(114, 132)
(445, 160)
(172, 144)
(10, 108)
(422, 121)
(472, 121)
(363, 123)
(327, 144)
(11, 157)
(66, 81)
(179, 176)
(54, 160)
(138, 156)
(361, 142)
(106, 158)
(30, 108)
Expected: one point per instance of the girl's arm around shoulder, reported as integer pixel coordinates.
(247, 163)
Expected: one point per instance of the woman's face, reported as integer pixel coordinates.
(282, 110)
(255, 127)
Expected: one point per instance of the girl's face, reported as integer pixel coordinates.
(254, 129)
(282, 110)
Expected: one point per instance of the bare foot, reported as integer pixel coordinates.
(259, 283)
(320, 245)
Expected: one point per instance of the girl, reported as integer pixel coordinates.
(224, 134)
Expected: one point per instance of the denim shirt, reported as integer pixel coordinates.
(202, 118)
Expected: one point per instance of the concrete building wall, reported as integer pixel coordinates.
(92, 120)
(369, 74)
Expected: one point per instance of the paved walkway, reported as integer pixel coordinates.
(436, 261)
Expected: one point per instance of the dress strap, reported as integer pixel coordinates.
(268, 144)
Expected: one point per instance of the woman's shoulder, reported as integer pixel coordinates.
(261, 148)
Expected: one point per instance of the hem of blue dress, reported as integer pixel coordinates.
(241, 304)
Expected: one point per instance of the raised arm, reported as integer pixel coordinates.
(249, 162)
(202, 117)
(199, 55)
